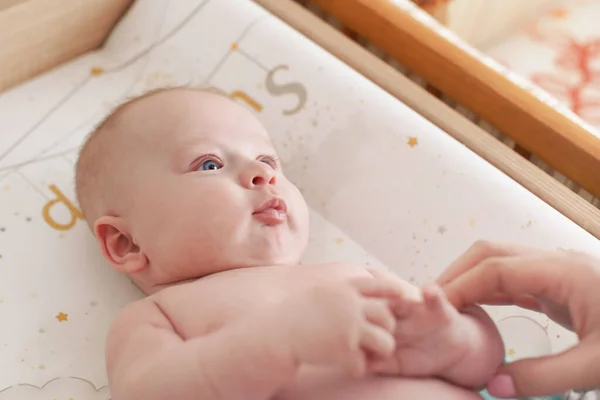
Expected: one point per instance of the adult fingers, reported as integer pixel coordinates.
(524, 301)
(531, 275)
(479, 252)
(575, 368)
(400, 287)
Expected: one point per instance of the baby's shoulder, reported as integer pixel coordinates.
(140, 312)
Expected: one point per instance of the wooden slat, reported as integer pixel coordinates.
(436, 8)
(36, 35)
(388, 78)
(537, 127)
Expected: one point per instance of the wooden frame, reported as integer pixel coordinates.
(436, 8)
(504, 158)
(560, 139)
(37, 35)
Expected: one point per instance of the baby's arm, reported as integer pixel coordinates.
(253, 358)
(147, 359)
(483, 349)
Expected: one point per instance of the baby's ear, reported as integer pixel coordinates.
(118, 246)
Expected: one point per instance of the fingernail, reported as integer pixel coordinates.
(502, 386)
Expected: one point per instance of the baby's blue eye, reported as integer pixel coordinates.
(210, 165)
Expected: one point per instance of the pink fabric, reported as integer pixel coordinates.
(560, 52)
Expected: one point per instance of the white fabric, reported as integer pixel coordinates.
(344, 141)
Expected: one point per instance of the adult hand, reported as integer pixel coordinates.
(565, 285)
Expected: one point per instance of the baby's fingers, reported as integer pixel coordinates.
(377, 341)
(378, 312)
(385, 284)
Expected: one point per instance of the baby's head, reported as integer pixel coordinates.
(182, 183)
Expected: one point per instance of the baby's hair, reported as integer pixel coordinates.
(94, 177)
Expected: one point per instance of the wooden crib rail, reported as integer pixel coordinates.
(561, 140)
(37, 35)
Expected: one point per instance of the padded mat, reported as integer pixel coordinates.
(385, 186)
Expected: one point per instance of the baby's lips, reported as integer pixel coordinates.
(275, 203)
(271, 216)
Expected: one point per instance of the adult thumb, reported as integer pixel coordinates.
(575, 368)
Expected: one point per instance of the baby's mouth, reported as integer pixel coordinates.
(273, 212)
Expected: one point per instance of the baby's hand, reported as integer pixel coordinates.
(341, 324)
(430, 336)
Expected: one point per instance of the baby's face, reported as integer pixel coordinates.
(209, 193)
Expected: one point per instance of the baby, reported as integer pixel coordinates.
(185, 195)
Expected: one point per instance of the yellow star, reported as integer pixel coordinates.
(234, 46)
(339, 240)
(62, 317)
(413, 141)
(511, 352)
(96, 71)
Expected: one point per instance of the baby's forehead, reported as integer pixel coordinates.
(184, 118)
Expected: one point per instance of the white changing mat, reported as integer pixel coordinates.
(385, 186)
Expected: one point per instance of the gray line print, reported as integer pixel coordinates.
(95, 116)
(6, 174)
(252, 60)
(228, 54)
(43, 119)
(5, 394)
(118, 68)
(289, 88)
(160, 41)
(32, 184)
(36, 160)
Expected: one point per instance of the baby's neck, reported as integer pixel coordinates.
(149, 287)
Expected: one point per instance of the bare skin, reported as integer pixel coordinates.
(230, 313)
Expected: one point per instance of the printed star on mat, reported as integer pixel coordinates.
(234, 46)
(96, 71)
(413, 141)
(61, 317)
(511, 352)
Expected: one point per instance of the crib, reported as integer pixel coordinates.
(330, 104)
(540, 128)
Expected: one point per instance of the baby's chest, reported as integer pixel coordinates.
(203, 310)
(206, 305)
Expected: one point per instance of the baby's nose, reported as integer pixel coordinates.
(259, 174)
